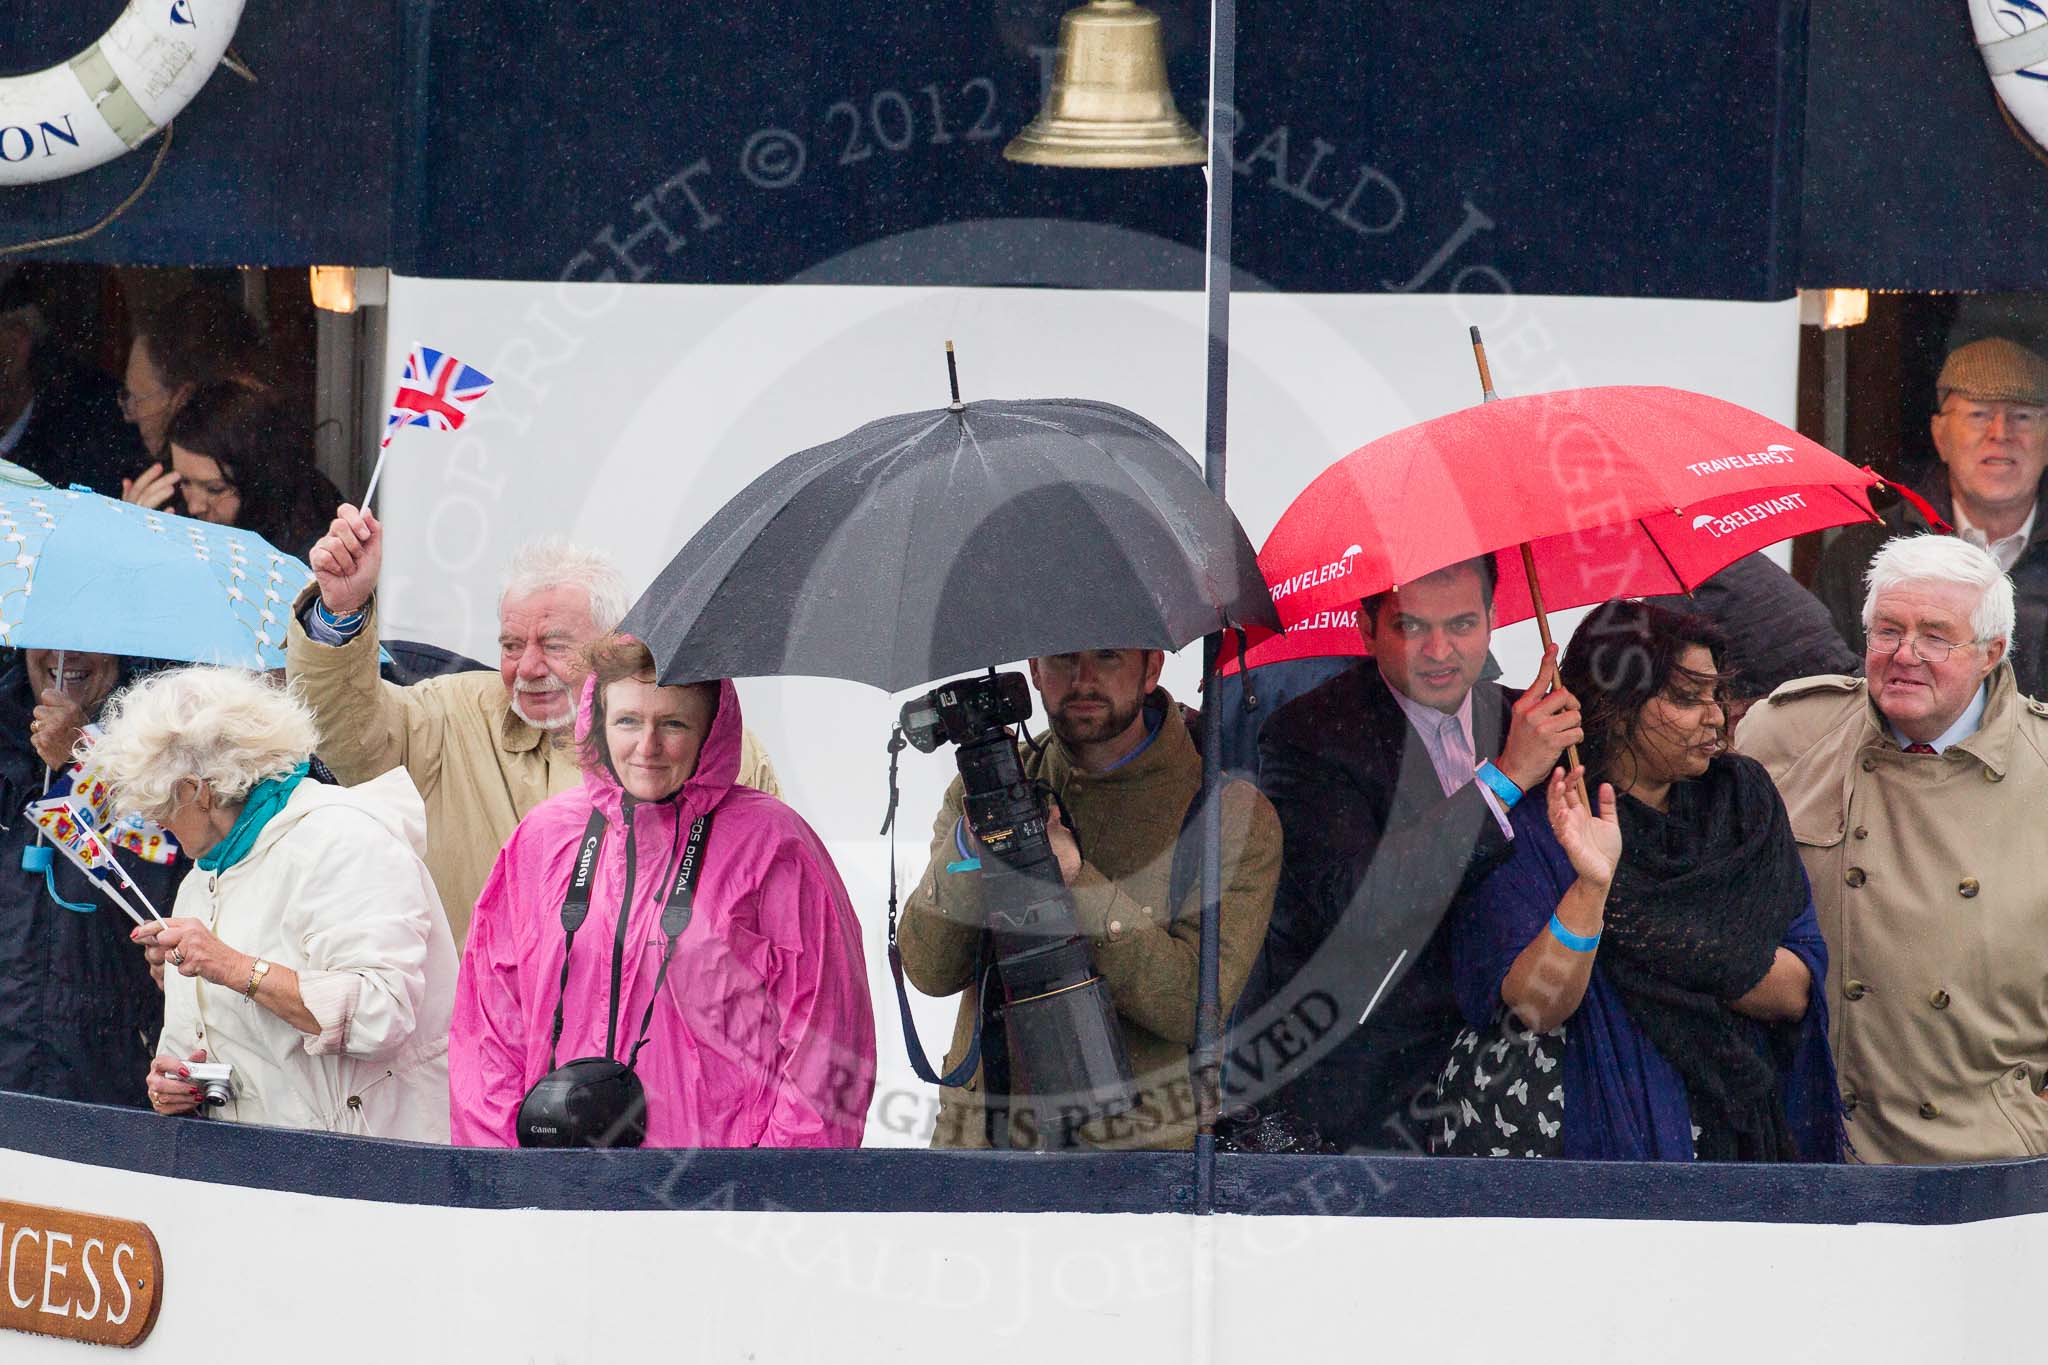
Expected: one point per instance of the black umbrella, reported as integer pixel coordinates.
(941, 542)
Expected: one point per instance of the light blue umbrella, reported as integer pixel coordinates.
(81, 571)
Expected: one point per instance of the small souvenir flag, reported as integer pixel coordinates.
(435, 391)
(149, 842)
(84, 787)
(71, 832)
(70, 827)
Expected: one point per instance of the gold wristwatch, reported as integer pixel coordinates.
(261, 970)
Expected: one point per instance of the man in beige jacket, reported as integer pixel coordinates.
(1917, 798)
(483, 749)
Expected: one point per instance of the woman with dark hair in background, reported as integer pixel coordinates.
(241, 461)
(1643, 981)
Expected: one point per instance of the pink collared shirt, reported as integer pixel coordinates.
(1448, 741)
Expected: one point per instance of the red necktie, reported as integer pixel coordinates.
(1919, 748)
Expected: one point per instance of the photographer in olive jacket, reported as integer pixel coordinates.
(1124, 771)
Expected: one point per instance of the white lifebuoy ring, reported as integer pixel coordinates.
(115, 94)
(2012, 36)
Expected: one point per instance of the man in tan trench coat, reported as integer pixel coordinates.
(483, 748)
(1920, 803)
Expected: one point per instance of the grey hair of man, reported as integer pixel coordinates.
(1944, 559)
(553, 562)
(227, 727)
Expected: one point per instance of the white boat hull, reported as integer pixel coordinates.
(872, 1256)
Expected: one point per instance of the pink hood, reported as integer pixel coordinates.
(763, 1035)
(718, 762)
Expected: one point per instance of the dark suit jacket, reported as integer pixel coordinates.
(1375, 856)
(76, 435)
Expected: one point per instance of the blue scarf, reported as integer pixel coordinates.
(266, 799)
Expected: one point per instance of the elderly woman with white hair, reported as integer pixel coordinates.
(308, 950)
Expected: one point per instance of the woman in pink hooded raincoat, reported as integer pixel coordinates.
(764, 1036)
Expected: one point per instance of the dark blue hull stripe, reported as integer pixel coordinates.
(883, 1181)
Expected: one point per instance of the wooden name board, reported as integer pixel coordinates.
(78, 1275)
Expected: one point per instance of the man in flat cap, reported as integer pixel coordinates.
(1991, 430)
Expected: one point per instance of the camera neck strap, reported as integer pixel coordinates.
(675, 918)
(920, 1062)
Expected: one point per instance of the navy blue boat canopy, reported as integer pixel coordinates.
(1730, 149)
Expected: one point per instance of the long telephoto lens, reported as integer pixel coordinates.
(1061, 1021)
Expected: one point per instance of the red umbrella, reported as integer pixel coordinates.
(1617, 492)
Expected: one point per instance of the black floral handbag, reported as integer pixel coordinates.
(1501, 1093)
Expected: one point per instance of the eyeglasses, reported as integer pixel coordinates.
(1928, 649)
(2022, 419)
(133, 402)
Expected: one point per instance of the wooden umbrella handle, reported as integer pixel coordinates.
(1528, 554)
(1571, 751)
(1485, 370)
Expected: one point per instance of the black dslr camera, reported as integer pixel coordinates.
(965, 711)
(1057, 1010)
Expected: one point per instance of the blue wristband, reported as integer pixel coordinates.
(1578, 943)
(1500, 784)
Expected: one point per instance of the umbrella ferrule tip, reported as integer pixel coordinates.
(956, 406)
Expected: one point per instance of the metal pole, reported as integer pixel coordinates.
(1216, 291)
(1835, 390)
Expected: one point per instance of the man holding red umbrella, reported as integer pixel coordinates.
(1573, 497)
(1392, 781)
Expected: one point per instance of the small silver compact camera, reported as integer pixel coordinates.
(216, 1082)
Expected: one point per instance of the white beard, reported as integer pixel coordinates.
(561, 722)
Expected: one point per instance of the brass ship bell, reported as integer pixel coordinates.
(1110, 104)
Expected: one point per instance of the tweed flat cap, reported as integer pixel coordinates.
(1995, 369)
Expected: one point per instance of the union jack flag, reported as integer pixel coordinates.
(436, 391)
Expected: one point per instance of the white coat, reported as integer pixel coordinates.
(337, 889)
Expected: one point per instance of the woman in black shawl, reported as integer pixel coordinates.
(1642, 980)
